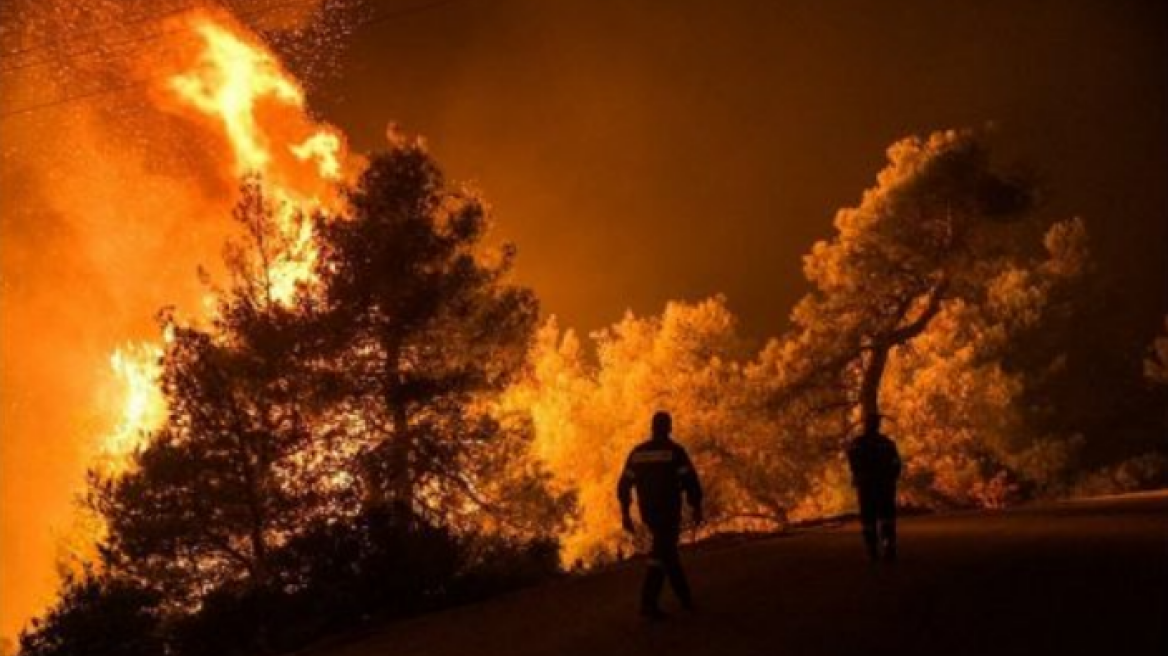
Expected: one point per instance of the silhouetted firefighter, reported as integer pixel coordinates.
(660, 470)
(875, 465)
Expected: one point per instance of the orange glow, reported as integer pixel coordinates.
(260, 110)
(137, 368)
(232, 77)
(235, 82)
(323, 147)
(143, 189)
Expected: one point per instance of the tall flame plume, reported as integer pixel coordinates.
(118, 194)
(237, 87)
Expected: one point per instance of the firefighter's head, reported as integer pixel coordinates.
(662, 425)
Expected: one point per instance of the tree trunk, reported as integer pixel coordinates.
(881, 348)
(259, 543)
(259, 551)
(254, 472)
(870, 384)
(401, 480)
(399, 456)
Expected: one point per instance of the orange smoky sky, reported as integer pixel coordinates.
(95, 242)
(636, 152)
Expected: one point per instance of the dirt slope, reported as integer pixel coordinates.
(1087, 577)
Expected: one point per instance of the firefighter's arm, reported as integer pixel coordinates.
(624, 494)
(854, 466)
(691, 484)
(896, 464)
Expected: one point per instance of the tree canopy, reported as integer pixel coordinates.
(395, 432)
(334, 444)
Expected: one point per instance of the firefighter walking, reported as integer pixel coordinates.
(875, 464)
(660, 471)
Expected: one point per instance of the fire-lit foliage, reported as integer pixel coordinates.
(366, 419)
(234, 469)
(914, 303)
(917, 307)
(123, 173)
(347, 423)
(588, 414)
(233, 85)
(321, 445)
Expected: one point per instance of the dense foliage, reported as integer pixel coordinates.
(946, 301)
(401, 436)
(330, 458)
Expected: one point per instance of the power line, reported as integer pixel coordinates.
(139, 82)
(140, 18)
(144, 17)
(140, 39)
(408, 10)
(82, 96)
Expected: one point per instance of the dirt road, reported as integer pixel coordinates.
(1088, 577)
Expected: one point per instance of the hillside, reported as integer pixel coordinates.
(1088, 577)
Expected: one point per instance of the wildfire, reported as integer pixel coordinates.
(129, 180)
(260, 109)
(323, 147)
(137, 368)
(231, 78)
(239, 90)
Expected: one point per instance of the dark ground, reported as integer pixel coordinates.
(1088, 577)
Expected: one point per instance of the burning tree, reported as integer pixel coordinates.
(337, 443)
(923, 236)
(421, 331)
(587, 415)
(327, 421)
(938, 263)
(691, 361)
(918, 307)
(237, 467)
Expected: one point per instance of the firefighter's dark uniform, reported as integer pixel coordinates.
(875, 465)
(660, 470)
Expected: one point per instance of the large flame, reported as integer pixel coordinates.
(238, 87)
(124, 188)
(230, 80)
(236, 83)
(137, 368)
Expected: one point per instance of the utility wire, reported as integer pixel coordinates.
(139, 82)
(144, 17)
(141, 39)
